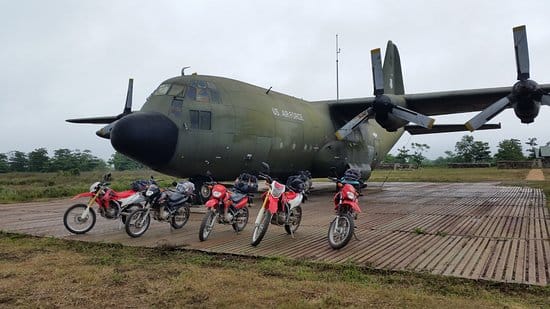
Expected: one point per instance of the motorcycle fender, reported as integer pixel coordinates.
(211, 203)
(296, 201)
(85, 194)
(272, 204)
(353, 205)
(124, 194)
(242, 203)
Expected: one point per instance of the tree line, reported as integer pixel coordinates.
(65, 160)
(467, 150)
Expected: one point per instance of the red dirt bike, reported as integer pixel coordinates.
(346, 205)
(81, 218)
(280, 207)
(226, 207)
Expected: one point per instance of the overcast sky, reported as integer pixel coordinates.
(69, 59)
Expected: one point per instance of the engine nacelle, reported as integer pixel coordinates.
(383, 107)
(527, 111)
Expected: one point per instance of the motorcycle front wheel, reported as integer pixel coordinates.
(340, 231)
(294, 220)
(128, 210)
(261, 229)
(137, 223)
(77, 220)
(207, 225)
(241, 219)
(180, 217)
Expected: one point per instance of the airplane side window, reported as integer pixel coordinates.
(202, 95)
(176, 107)
(191, 93)
(205, 120)
(194, 117)
(201, 120)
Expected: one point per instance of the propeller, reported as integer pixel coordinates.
(105, 132)
(109, 119)
(383, 106)
(526, 95)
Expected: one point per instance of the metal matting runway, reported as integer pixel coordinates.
(470, 230)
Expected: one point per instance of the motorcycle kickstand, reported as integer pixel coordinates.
(355, 236)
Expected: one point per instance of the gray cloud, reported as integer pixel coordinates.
(65, 59)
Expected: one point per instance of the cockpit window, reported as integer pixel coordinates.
(177, 90)
(162, 89)
(203, 91)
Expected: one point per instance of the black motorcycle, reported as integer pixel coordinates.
(164, 205)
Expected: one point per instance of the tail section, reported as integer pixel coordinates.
(393, 77)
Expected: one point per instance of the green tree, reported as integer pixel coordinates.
(123, 163)
(531, 150)
(418, 155)
(389, 158)
(468, 150)
(481, 151)
(18, 161)
(509, 150)
(4, 165)
(88, 162)
(402, 155)
(38, 160)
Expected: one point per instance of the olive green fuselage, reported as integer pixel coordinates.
(227, 127)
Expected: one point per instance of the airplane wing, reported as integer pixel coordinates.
(437, 103)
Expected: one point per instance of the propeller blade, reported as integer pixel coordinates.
(412, 116)
(377, 73)
(487, 114)
(128, 106)
(346, 130)
(94, 120)
(522, 52)
(545, 100)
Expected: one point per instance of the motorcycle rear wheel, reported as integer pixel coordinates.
(207, 225)
(241, 219)
(294, 220)
(179, 219)
(75, 223)
(137, 223)
(260, 230)
(340, 231)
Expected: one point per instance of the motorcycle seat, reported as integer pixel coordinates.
(175, 198)
(237, 196)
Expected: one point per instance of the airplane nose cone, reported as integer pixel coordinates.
(147, 137)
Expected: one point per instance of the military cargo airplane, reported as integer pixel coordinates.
(197, 125)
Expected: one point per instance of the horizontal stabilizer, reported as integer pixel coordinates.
(444, 128)
(95, 120)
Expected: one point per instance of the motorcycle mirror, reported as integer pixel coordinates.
(174, 183)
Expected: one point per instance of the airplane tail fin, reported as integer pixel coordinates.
(393, 77)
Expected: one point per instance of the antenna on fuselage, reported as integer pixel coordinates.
(183, 70)
(337, 86)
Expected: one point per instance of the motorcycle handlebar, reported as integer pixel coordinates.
(265, 177)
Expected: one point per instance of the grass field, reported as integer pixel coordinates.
(47, 272)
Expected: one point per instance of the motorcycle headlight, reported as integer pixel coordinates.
(149, 193)
(216, 194)
(351, 195)
(94, 186)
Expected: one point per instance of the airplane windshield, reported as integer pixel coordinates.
(196, 90)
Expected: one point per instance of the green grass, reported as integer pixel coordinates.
(25, 187)
(47, 272)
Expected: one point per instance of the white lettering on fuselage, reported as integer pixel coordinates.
(286, 114)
